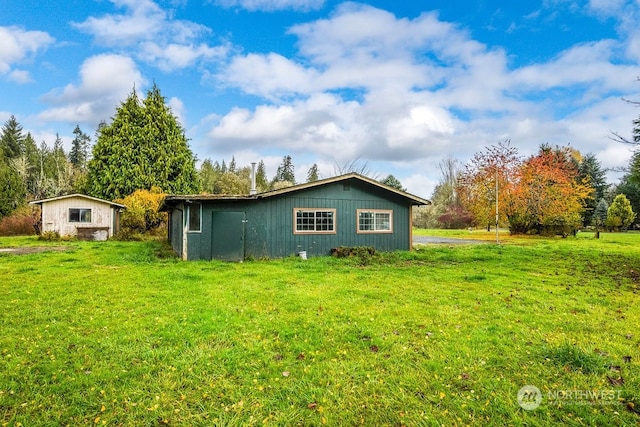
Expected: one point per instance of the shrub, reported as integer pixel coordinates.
(142, 216)
(50, 236)
(363, 254)
(20, 223)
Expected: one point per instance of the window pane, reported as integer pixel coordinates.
(304, 221)
(375, 221)
(314, 221)
(85, 215)
(74, 215)
(366, 221)
(194, 216)
(383, 221)
(324, 221)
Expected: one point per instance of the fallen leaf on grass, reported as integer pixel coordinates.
(631, 407)
(615, 381)
(312, 405)
(300, 356)
(374, 348)
(285, 374)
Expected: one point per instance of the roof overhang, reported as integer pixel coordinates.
(82, 196)
(173, 200)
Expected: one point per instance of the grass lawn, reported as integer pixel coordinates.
(111, 333)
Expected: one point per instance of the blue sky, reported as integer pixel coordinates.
(399, 85)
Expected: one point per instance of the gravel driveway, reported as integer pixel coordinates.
(425, 240)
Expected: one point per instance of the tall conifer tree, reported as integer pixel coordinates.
(143, 147)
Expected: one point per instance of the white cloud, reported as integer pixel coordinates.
(178, 109)
(19, 44)
(105, 80)
(367, 85)
(420, 184)
(606, 8)
(4, 116)
(270, 76)
(144, 21)
(323, 123)
(583, 64)
(153, 35)
(273, 5)
(175, 56)
(20, 76)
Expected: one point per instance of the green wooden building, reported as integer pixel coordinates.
(311, 218)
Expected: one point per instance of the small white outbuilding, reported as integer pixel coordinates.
(86, 217)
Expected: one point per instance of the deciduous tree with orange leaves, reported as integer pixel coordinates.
(477, 183)
(541, 194)
(548, 197)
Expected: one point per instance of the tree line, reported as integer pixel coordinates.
(30, 171)
(139, 156)
(554, 191)
(144, 149)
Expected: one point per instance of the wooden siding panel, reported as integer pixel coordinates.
(269, 227)
(55, 215)
(175, 231)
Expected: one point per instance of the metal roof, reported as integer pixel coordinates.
(415, 200)
(83, 196)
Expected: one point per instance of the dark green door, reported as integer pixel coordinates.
(227, 236)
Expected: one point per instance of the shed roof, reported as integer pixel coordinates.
(414, 200)
(83, 196)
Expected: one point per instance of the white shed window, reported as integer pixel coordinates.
(79, 215)
(375, 221)
(195, 217)
(314, 221)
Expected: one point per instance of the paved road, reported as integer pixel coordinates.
(445, 240)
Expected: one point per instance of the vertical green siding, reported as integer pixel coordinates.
(269, 226)
(175, 229)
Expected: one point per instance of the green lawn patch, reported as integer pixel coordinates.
(117, 333)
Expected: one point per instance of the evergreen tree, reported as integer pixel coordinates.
(312, 175)
(393, 182)
(631, 190)
(208, 176)
(285, 172)
(143, 147)
(12, 190)
(79, 149)
(620, 215)
(30, 150)
(590, 171)
(11, 139)
(232, 165)
(600, 216)
(262, 183)
(59, 159)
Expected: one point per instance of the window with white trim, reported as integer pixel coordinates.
(375, 221)
(195, 217)
(79, 215)
(307, 220)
